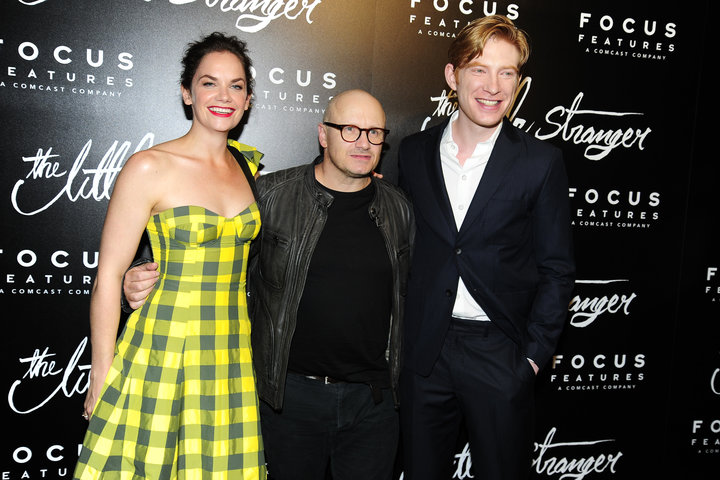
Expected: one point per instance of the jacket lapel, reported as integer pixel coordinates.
(501, 160)
(438, 200)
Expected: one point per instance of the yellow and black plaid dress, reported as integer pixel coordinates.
(179, 401)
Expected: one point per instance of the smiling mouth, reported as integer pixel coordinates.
(221, 110)
(489, 103)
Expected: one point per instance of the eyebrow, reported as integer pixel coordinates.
(238, 79)
(479, 64)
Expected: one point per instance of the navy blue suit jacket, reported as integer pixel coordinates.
(513, 251)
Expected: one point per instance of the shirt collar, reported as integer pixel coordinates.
(447, 141)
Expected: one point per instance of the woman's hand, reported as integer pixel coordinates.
(97, 380)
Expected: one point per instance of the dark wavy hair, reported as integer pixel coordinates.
(215, 42)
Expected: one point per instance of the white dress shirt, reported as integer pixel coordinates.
(461, 182)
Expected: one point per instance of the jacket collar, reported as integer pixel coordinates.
(501, 159)
(320, 195)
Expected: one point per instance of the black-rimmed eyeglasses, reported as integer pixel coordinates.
(351, 133)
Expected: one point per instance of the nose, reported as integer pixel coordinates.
(224, 94)
(492, 85)
(363, 141)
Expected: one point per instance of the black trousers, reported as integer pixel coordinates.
(336, 431)
(481, 381)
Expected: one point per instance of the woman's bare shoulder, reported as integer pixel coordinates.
(155, 159)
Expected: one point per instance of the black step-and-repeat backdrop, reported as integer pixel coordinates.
(621, 87)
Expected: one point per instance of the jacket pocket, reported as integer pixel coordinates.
(273, 262)
(403, 258)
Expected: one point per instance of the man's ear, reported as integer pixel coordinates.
(322, 135)
(450, 77)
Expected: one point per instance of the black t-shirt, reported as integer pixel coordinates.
(343, 319)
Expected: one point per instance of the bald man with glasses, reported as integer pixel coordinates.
(325, 288)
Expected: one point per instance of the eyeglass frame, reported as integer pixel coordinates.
(340, 128)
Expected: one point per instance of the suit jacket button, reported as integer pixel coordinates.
(458, 251)
(448, 293)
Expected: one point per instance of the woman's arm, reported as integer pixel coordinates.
(129, 209)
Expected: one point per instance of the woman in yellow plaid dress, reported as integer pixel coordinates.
(174, 397)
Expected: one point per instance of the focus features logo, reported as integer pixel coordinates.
(294, 90)
(53, 461)
(443, 18)
(705, 436)
(58, 276)
(614, 208)
(609, 372)
(638, 38)
(712, 284)
(90, 71)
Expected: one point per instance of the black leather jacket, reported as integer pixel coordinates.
(293, 210)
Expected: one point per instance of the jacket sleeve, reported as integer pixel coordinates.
(553, 251)
(142, 256)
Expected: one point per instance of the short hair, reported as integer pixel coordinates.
(215, 42)
(472, 38)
